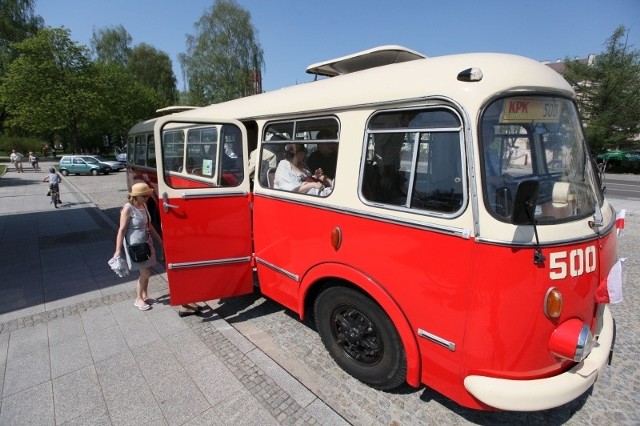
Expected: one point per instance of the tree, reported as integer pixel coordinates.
(17, 22)
(111, 45)
(50, 87)
(123, 101)
(153, 68)
(224, 57)
(609, 93)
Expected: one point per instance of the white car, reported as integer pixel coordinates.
(116, 166)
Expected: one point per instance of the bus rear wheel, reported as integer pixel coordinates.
(360, 337)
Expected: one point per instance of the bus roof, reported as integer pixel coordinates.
(175, 108)
(371, 58)
(397, 82)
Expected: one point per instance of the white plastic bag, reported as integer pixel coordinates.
(119, 266)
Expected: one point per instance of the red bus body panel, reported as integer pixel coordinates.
(411, 278)
(215, 231)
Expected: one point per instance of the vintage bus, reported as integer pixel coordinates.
(460, 241)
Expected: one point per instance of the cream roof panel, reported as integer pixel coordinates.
(435, 76)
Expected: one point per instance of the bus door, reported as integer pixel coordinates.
(204, 204)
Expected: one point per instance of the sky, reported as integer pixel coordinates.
(296, 33)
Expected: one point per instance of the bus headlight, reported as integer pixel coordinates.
(571, 340)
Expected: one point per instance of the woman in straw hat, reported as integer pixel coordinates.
(136, 227)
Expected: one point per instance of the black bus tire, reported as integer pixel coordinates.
(360, 337)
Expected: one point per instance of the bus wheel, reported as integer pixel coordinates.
(360, 337)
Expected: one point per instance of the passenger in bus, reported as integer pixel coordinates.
(293, 174)
(326, 157)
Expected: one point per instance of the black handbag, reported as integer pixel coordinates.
(140, 252)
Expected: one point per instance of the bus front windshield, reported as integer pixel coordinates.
(537, 138)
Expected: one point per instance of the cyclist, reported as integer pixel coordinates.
(54, 180)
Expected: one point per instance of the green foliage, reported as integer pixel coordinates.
(153, 69)
(150, 67)
(123, 101)
(111, 45)
(223, 56)
(17, 22)
(608, 93)
(49, 87)
(53, 88)
(24, 144)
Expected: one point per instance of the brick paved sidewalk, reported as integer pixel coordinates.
(74, 349)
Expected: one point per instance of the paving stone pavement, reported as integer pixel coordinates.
(74, 349)
(249, 359)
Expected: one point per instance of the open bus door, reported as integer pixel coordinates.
(204, 204)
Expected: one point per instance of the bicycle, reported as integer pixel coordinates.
(54, 191)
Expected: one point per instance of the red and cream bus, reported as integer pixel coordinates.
(460, 244)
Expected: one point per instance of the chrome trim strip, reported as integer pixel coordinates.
(439, 340)
(186, 196)
(183, 265)
(294, 277)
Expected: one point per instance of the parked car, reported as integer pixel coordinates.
(121, 156)
(116, 166)
(82, 165)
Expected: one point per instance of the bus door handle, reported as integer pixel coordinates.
(165, 203)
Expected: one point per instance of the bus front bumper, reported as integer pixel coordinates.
(550, 392)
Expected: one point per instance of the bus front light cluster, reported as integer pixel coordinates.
(553, 303)
(571, 340)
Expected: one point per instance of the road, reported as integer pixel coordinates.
(618, 188)
(297, 347)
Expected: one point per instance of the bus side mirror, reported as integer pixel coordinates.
(524, 206)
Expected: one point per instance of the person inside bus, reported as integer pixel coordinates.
(326, 157)
(292, 174)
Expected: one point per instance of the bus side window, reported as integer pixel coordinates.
(232, 155)
(151, 152)
(384, 178)
(413, 160)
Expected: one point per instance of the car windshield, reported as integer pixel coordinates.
(537, 138)
(90, 160)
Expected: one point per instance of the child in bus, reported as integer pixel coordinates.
(293, 174)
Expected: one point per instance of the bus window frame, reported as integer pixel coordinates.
(417, 132)
(308, 136)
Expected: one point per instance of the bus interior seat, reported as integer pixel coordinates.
(271, 176)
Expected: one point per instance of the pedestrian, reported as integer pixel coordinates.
(33, 159)
(16, 160)
(135, 228)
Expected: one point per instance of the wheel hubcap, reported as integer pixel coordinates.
(356, 335)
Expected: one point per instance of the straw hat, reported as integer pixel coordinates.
(140, 190)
